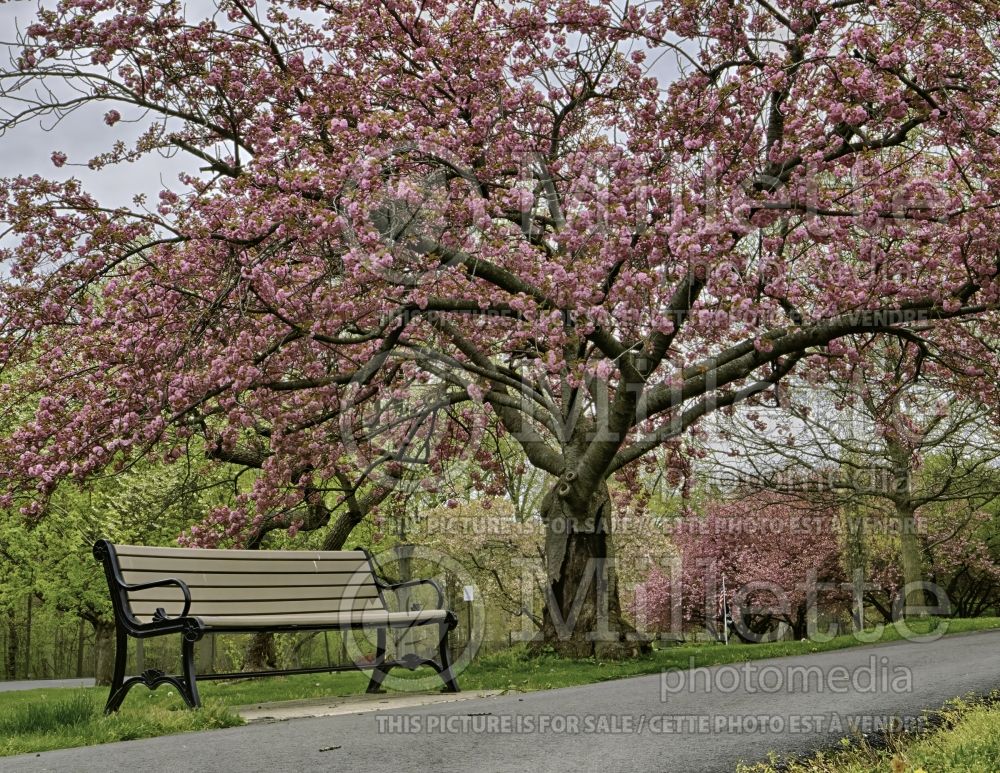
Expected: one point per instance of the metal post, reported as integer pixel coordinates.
(469, 595)
(725, 612)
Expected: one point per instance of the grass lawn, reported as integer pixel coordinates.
(967, 741)
(38, 720)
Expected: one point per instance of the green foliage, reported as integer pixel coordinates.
(971, 746)
(149, 504)
(50, 559)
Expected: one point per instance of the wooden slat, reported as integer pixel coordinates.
(168, 565)
(249, 580)
(286, 607)
(306, 620)
(248, 584)
(253, 555)
(240, 594)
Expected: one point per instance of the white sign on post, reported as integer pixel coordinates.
(469, 593)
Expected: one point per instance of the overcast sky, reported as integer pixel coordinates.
(28, 149)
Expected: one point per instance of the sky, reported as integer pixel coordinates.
(28, 149)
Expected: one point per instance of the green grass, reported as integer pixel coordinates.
(967, 741)
(515, 670)
(39, 720)
(49, 715)
(971, 746)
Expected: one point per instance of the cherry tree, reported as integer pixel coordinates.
(769, 562)
(591, 222)
(862, 441)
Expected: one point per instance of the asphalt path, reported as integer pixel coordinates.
(694, 720)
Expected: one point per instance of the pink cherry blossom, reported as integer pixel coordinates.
(386, 203)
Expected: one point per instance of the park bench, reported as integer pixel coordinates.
(191, 592)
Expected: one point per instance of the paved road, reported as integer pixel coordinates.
(34, 684)
(710, 720)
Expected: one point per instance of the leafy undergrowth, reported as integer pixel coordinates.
(39, 720)
(965, 739)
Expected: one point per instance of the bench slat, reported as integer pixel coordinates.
(305, 620)
(261, 580)
(253, 555)
(245, 594)
(168, 565)
(243, 608)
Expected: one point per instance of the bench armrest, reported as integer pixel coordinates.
(383, 584)
(411, 583)
(160, 615)
(104, 551)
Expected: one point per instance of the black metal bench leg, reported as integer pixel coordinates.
(187, 686)
(118, 688)
(190, 695)
(447, 673)
(379, 672)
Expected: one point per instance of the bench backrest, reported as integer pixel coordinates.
(249, 582)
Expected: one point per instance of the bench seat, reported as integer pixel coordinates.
(157, 591)
(369, 618)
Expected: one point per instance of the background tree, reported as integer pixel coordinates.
(959, 546)
(862, 440)
(774, 552)
(51, 559)
(963, 551)
(500, 203)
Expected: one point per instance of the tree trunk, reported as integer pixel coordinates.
(339, 533)
(582, 616)
(261, 653)
(910, 550)
(10, 667)
(27, 639)
(855, 524)
(79, 649)
(910, 553)
(800, 623)
(104, 651)
(403, 638)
